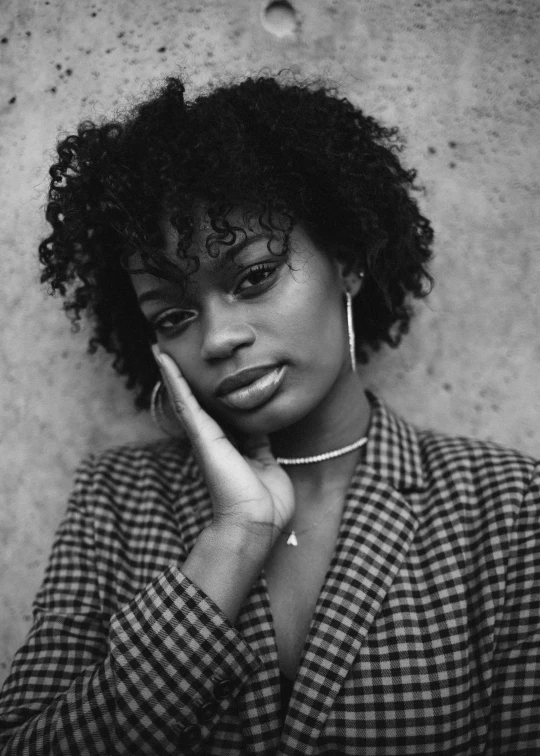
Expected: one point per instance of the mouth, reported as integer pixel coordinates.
(251, 388)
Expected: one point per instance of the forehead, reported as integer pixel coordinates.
(215, 231)
(216, 228)
(216, 240)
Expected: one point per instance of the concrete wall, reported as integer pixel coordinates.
(461, 79)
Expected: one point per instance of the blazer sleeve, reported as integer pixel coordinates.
(136, 682)
(515, 712)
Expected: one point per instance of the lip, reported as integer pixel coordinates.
(242, 378)
(247, 396)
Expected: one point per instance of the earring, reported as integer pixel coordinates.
(157, 411)
(350, 330)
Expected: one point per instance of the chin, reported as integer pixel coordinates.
(279, 413)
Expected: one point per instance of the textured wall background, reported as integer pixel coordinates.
(461, 79)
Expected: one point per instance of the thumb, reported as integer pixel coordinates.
(257, 447)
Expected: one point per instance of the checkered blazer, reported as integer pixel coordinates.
(425, 639)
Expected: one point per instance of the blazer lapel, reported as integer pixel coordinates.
(377, 528)
(375, 534)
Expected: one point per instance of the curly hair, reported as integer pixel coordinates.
(283, 149)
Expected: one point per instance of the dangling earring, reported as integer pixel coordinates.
(350, 330)
(157, 411)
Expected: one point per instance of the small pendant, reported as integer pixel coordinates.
(291, 540)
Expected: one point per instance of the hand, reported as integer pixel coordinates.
(248, 490)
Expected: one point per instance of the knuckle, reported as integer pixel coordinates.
(179, 407)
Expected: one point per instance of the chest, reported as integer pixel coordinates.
(295, 576)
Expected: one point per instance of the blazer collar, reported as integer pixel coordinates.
(393, 450)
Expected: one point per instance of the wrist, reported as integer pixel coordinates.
(225, 563)
(250, 540)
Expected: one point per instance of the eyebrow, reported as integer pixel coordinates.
(157, 294)
(227, 254)
(225, 257)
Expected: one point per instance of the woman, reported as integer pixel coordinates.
(299, 571)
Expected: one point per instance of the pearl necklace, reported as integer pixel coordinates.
(322, 457)
(292, 539)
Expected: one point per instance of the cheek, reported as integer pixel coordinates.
(317, 322)
(183, 351)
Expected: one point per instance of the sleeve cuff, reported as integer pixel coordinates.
(177, 660)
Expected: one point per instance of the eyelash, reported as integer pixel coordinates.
(158, 324)
(270, 268)
(260, 268)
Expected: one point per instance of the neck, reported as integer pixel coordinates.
(340, 419)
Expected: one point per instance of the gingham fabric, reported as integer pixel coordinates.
(425, 639)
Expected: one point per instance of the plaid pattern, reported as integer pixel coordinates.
(425, 639)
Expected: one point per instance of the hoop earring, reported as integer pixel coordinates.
(157, 411)
(350, 331)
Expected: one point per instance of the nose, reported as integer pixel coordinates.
(224, 330)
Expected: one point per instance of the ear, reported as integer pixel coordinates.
(351, 280)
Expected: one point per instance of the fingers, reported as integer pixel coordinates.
(180, 393)
(199, 425)
(206, 435)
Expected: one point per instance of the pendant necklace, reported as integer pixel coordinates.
(292, 540)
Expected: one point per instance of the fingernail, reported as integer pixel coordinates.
(158, 356)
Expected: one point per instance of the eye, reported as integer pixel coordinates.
(171, 320)
(257, 277)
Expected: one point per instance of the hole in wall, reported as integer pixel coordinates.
(279, 18)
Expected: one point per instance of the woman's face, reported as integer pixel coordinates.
(281, 317)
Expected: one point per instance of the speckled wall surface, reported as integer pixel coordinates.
(461, 79)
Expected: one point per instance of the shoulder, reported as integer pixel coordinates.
(478, 473)
(165, 465)
(127, 494)
(444, 464)
(460, 452)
